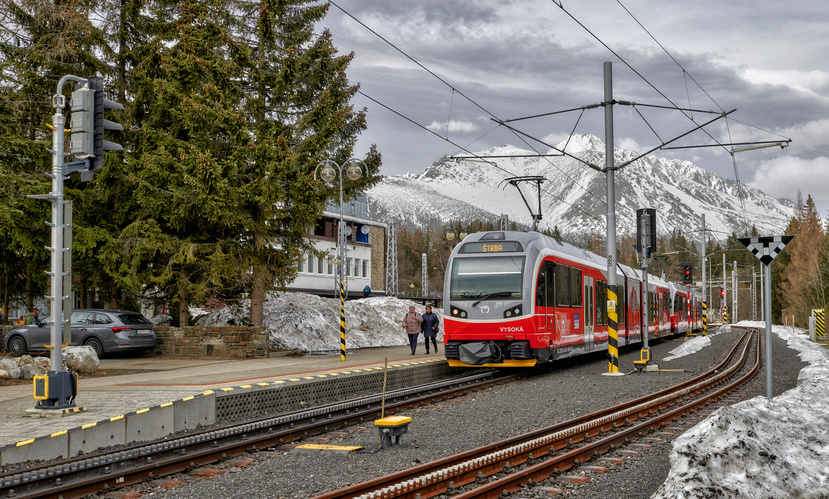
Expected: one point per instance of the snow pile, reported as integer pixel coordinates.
(760, 448)
(311, 323)
(695, 344)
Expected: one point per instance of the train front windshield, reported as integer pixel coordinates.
(475, 278)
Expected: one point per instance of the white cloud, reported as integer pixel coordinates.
(784, 176)
(454, 126)
(630, 144)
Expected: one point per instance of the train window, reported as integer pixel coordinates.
(477, 277)
(601, 303)
(620, 302)
(575, 287)
(562, 285)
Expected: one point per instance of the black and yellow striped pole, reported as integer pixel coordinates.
(342, 320)
(704, 319)
(612, 331)
(724, 314)
(820, 324)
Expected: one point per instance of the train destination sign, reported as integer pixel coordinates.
(491, 247)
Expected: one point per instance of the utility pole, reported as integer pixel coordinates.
(610, 167)
(734, 317)
(725, 291)
(704, 284)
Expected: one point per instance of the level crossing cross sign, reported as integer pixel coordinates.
(766, 248)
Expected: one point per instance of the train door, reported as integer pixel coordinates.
(545, 297)
(589, 313)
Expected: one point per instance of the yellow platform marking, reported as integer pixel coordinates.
(346, 448)
(142, 411)
(59, 433)
(307, 377)
(321, 376)
(24, 442)
(263, 384)
(278, 382)
(247, 386)
(90, 425)
(294, 379)
(208, 392)
(227, 389)
(166, 404)
(116, 418)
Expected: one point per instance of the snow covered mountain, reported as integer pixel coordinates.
(573, 195)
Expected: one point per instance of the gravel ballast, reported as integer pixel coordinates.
(486, 416)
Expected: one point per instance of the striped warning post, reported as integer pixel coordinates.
(612, 332)
(820, 323)
(725, 315)
(704, 319)
(342, 320)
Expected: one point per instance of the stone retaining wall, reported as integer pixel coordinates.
(203, 341)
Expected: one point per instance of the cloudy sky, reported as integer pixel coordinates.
(507, 59)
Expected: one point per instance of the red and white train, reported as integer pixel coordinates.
(517, 299)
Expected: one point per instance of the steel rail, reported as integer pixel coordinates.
(434, 478)
(543, 470)
(130, 465)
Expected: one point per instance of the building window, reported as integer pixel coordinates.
(365, 268)
(348, 267)
(302, 265)
(330, 266)
(310, 264)
(320, 265)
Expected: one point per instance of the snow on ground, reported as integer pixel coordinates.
(694, 345)
(300, 321)
(760, 448)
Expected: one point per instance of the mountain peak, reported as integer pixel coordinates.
(573, 198)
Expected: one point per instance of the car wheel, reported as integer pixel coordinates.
(17, 346)
(96, 345)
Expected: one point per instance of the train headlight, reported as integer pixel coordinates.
(458, 312)
(513, 311)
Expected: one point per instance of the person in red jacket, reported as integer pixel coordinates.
(411, 324)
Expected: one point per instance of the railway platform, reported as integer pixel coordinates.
(160, 382)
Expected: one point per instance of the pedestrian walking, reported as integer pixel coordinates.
(411, 324)
(430, 327)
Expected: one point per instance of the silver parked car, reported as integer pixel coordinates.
(106, 331)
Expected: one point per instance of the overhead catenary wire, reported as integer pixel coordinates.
(472, 154)
(459, 92)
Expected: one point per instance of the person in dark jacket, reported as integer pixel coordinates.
(411, 324)
(430, 327)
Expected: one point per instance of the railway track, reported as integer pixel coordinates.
(122, 467)
(511, 464)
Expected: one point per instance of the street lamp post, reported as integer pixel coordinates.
(329, 170)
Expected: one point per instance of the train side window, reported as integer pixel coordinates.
(551, 284)
(545, 294)
(575, 287)
(601, 303)
(562, 286)
(620, 303)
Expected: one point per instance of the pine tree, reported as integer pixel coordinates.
(300, 114)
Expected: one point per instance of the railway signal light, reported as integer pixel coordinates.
(88, 125)
(687, 273)
(722, 293)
